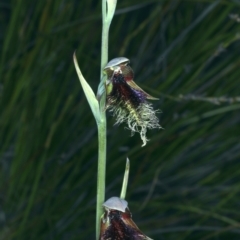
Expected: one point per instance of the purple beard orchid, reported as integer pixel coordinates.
(117, 223)
(127, 100)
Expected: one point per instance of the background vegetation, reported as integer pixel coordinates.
(185, 184)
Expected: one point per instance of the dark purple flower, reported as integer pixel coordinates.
(127, 100)
(117, 223)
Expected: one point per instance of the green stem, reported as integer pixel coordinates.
(104, 55)
(108, 9)
(102, 138)
(102, 143)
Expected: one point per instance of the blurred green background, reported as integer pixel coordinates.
(185, 184)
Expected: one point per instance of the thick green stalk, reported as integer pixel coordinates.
(102, 138)
(105, 33)
(102, 143)
(108, 9)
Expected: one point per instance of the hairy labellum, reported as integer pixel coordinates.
(117, 224)
(128, 101)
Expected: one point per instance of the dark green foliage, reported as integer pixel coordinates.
(185, 184)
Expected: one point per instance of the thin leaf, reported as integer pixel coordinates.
(88, 91)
